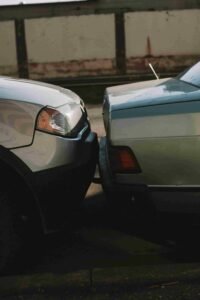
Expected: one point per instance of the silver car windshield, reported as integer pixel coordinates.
(191, 75)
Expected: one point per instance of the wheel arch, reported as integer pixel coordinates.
(17, 176)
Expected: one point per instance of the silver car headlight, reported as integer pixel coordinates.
(60, 121)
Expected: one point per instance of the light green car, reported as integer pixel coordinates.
(151, 151)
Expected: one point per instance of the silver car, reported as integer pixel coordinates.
(151, 151)
(48, 155)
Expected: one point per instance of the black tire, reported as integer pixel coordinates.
(17, 234)
(10, 241)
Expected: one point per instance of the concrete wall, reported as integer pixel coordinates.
(170, 33)
(71, 46)
(98, 44)
(168, 39)
(8, 59)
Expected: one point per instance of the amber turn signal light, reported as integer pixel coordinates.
(123, 160)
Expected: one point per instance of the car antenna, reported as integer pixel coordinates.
(154, 72)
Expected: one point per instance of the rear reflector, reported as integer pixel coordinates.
(123, 160)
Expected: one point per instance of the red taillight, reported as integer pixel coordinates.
(123, 160)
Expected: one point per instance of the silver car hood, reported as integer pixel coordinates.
(20, 103)
(35, 92)
(152, 92)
